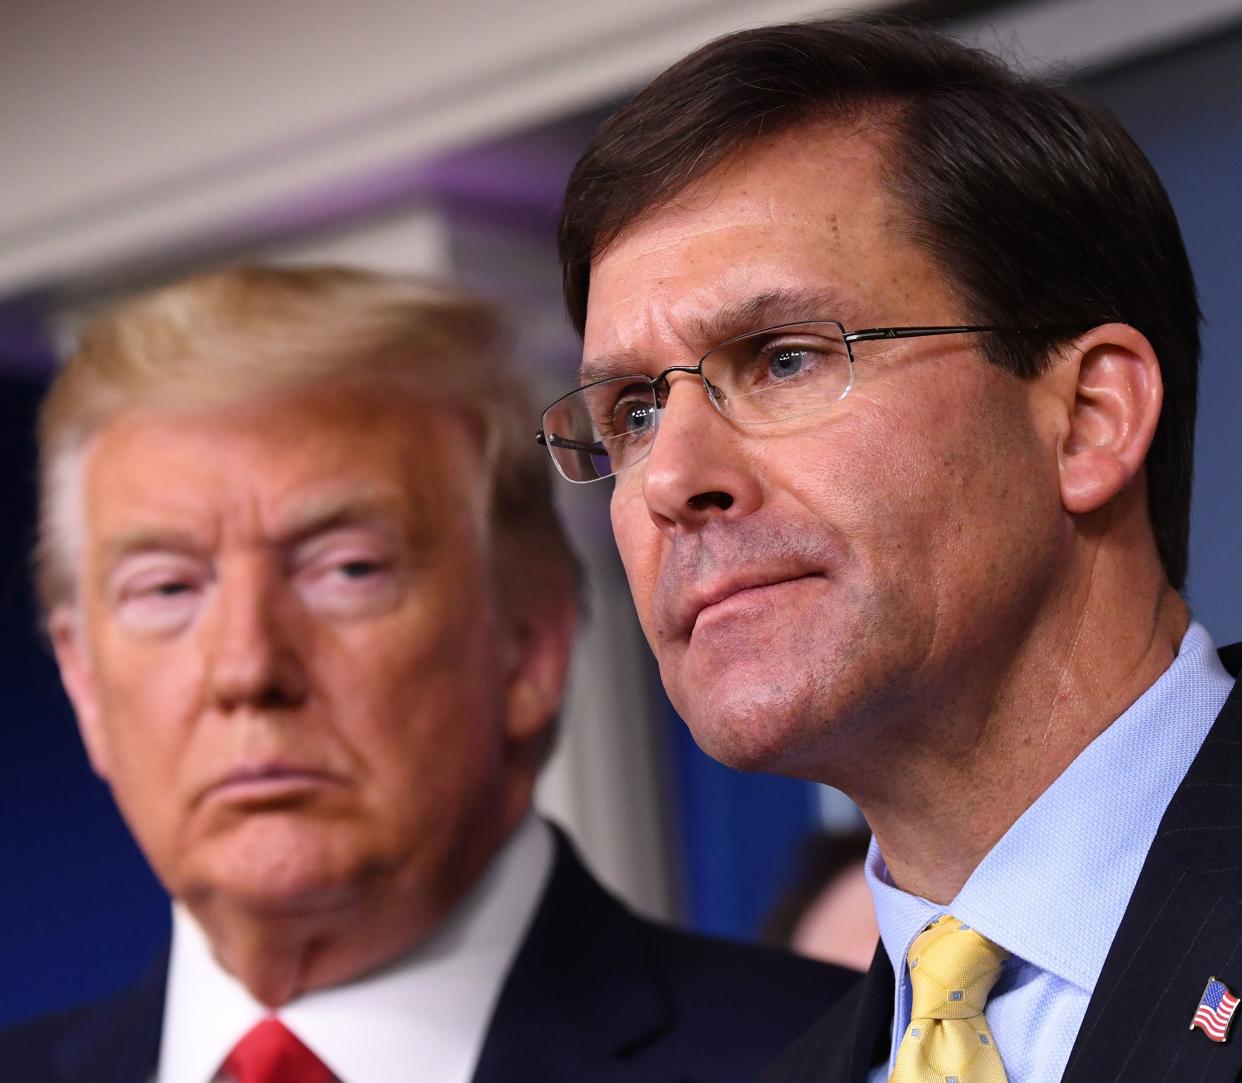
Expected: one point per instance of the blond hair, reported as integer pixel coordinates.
(226, 336)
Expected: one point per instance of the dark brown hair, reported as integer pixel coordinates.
(1039, 207)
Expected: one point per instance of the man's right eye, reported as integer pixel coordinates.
(170, 589)
(158, 601)
(632, 417)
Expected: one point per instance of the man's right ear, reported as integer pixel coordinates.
(77, 674)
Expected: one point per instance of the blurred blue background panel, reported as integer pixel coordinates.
(79, 908)
(739, 836)
(1184, 109)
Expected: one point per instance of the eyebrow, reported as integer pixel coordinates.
(147, 539)
(318, 516)
(768, 309)
(321, 515)
(138, 541)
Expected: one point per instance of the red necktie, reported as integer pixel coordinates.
(271, 1053)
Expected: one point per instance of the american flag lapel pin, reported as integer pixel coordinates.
(1215, 1010)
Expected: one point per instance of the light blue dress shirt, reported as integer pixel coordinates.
(1053, 890)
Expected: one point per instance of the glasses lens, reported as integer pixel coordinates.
(780, 372)
(599, 429)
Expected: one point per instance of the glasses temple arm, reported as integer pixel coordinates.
(872, 334)
(552, 440)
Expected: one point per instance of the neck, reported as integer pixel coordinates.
(283, 949)
(279, 956)
(986, 752)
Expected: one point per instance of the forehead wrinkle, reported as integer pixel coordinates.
(703, 331)
(768, 309)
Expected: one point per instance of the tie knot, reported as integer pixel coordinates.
(952, 970)
(270, 1052)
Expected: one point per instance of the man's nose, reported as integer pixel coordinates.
(252, 654)
(697, 470)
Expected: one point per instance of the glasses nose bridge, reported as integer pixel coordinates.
(660, 382)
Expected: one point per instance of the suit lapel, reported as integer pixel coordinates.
(1183, 925)
(117, 1042)
(555, 1020)
(853, 1036)
(870, 1028)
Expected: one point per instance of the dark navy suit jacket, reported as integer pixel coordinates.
(1183, 925)
(595, 995)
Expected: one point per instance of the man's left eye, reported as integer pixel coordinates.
(787, 362)
(359, 569)
(170, 589)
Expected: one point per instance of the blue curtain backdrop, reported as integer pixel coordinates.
(80, 912)
(740, 835)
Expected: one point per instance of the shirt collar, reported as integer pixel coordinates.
(1054, 889)
(422, 1017)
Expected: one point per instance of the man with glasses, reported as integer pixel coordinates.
(313, 606)
(891, 356)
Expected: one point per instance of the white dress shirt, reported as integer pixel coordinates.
(422, 1017)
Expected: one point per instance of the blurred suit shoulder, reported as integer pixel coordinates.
(110, 1041)
(600, 993)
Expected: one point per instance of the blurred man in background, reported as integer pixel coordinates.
(893, 354)
(825, 912)
(313, 607)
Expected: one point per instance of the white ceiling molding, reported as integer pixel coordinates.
(140, 125)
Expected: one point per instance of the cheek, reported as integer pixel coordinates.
(413, 689)
(148, 699)
(954, 502)
(638, 541)
(148, 722)
(899, 493)
(383, 678)
(429, 734)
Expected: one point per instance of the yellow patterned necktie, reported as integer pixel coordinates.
(952, 971)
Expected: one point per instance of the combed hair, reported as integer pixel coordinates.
(1040, 208)
(228, 336)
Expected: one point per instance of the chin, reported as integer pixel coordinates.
(284, 895)
(761, 729)
(279, 868)
(811, 703)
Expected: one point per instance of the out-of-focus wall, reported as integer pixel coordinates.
(1185, 110)
(134, 125)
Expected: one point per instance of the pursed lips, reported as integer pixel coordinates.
(267, 778)
(695, 603)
